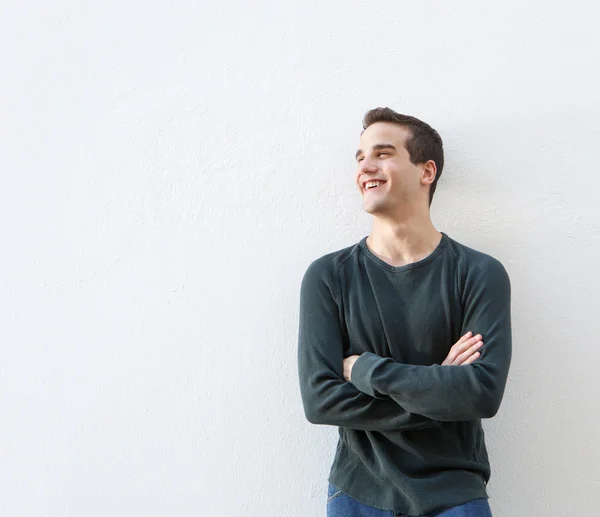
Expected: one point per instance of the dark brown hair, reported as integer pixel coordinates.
(423, 144)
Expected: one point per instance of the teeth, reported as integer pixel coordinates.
(371, 184)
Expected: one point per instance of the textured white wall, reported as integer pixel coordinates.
(170, 169)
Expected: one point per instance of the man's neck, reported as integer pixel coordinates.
(403, 242)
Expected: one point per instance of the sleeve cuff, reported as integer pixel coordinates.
(362, 370)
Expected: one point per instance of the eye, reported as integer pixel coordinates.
(382, 153)
(360, 160)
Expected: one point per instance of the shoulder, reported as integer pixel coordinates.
(326, 267)
(473, 263)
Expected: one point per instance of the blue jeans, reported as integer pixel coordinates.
(342, 505)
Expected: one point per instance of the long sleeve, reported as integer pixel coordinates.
(326, 396)
(454, 393)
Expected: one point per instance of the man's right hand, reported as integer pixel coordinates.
(464, 350)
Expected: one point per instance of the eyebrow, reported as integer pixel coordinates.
(376, 147)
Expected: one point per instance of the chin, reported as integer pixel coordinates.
(374, 208)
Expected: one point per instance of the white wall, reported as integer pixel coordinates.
(170, 169)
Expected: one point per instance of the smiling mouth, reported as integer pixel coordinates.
(372, 186)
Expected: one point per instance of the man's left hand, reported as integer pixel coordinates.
(348, 364)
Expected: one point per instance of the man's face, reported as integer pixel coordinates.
(382, 156)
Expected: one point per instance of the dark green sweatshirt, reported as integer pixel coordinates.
(410, 434)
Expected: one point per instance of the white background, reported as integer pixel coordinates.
(170, 169)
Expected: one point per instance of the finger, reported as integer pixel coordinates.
(464, 343)
(463, 356)
(468, 353)
(469, 343)
(471, 359)
(459, 348)
(464, 338)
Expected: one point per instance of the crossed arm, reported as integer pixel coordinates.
(386, 395)
(327, 398)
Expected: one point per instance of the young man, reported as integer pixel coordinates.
(404, 342)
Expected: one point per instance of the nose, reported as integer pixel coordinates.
(366, 165)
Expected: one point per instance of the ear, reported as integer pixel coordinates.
(429, 172)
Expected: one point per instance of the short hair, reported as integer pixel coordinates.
(423, 144)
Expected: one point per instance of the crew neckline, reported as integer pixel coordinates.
(405, 267)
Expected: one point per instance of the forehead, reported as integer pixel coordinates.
(383, 133)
